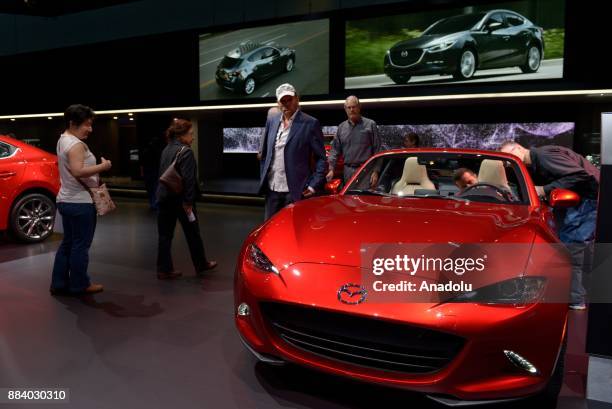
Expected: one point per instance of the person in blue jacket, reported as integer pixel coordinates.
(292, 140)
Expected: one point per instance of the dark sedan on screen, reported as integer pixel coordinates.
(462, 44)
(244, 68)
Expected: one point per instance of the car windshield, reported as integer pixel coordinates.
(443, 175)
(454, 24)
(229, 62)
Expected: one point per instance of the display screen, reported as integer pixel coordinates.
(468, 136)
(510, 41)
(252, 62)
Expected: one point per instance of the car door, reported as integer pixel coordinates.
(520, 37)
(270, 60)
(275, 58)
(493, 42)
(255, 63)
(11, 172)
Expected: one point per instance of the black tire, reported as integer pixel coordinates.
(32, 218)
(249, 85)
(466, 65)
(532, 60)
(547, 398)
(289, 64)
(400, 79)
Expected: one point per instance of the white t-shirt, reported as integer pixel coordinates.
(71, 191)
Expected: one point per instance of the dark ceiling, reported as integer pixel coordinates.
(53, 8)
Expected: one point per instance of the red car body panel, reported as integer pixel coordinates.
(29, 168)
(315, 244)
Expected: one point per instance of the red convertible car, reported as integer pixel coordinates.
(303, 293)
(29, 182)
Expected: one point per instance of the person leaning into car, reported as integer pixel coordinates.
(356, 139)
(179, 206)
(553, 167)
(75, 204)
(292, 138)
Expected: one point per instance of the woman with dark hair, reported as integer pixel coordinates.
(75, 204)
(179, 206)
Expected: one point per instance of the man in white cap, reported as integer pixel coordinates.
(292, 138)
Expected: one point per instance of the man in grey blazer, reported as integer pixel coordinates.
(292, 140)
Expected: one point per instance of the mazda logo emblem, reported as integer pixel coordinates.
(404, 54)
(352, 294)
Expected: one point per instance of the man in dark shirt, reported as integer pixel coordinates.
(356, 139)
(553, 167)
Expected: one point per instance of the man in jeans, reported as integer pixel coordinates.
(554, 167)
(292, 138)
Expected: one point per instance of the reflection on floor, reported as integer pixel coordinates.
(145, 343)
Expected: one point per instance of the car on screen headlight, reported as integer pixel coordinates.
(462, 44)
(302, 294)
(244, 68)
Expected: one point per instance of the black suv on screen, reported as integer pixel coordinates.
(247, 66)
(461, 44)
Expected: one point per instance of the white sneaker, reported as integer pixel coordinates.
(578, 306)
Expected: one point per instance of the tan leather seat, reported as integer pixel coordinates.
(493, 172)
(413, 177)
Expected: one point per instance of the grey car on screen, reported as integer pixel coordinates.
(244, 68)
(462, 44)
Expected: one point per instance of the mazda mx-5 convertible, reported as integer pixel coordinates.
(343, 283)
(462, 44)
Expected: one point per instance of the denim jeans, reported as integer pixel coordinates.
(577, 232)
(72, 257)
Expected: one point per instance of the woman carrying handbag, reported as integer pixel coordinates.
(78, 174)
(176, 196)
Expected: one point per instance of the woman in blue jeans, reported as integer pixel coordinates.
(75, 204)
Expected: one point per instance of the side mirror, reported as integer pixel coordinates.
(493, 26)
(333, 186)
(560, 198)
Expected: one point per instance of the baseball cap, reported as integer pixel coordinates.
(284, 89)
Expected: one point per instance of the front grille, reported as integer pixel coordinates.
(362, 341)
(411, 56)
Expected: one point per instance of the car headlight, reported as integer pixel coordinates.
(258, 259)
(388, 52)
(521, 290)
(443, 46)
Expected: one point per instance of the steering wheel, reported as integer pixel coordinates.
(507, 196)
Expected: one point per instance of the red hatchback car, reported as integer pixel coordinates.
(303, 293)
(29, 182)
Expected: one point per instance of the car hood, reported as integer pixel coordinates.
(425, 41)
(332, 230)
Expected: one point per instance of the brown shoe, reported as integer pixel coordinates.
(208, 266)
(94, 288)
(170, 275)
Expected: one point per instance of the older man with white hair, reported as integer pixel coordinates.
(357, 140)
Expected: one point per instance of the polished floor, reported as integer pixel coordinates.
(145, 343)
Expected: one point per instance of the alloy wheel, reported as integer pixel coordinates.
(35, 218)
(249, 86)
(467, 64)
(534, 58)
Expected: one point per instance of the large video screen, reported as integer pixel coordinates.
(468, 136)
(252, 62)
(510, 41)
